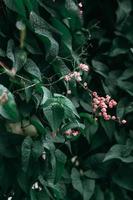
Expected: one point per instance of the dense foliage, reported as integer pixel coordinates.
(52, 144)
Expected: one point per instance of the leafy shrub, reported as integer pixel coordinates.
(53, 60)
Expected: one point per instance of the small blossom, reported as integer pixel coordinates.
(95, 106)
(81, 12)
(94, 94)
(84, 67)
(103, 109)
(71, 132)
(73, 159)
(123, 121)
(113, 117)
(77, 163)
(100, 114)
(68, 132)
(69, 92)
(85, 84)
(75, 133)
(67, 78)
(44, 155)
(79, 78)
(80, 5)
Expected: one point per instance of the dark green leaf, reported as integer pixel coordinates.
(76, 181)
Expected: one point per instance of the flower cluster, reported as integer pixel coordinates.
(101, 106)
(75, 75)
(4, 97)
(71, 132)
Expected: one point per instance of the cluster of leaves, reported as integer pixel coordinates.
(41, 41)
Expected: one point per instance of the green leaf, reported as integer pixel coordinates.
(121, 107)
(8, 109)
(119, 46)
(109, 127)
(20, 59)
(66, 38)
(122, 177)
(32, 69)
(37, 123)
(40, 27)
(91, 126)
(88, 188)
(26, 152)
(100, 68)
(16, 5)
(46, 94)
(7, 147)
(67, 105)
(127, 74)
(10, 50)
(127, 86)
(91, 174)
(72, 125)
(121, 152)
(2, 53)
(98, 193)
(72, 12)
(76, 181)
(37, 149)
(54, 113)
(124, 8)
(39, 195)
(60, 164)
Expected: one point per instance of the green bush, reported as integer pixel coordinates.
(54, 56)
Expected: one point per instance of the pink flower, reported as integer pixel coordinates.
(94, 94)
(84, 67)
(103, 110)
(68, 132)
(67, 78)
(75, 133)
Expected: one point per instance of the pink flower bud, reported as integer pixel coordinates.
(100, 114)
(94, 110)
(113, 117)
(103, 110)
(95, 106)
(94, 94)
(68, 132)
(110, 105)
